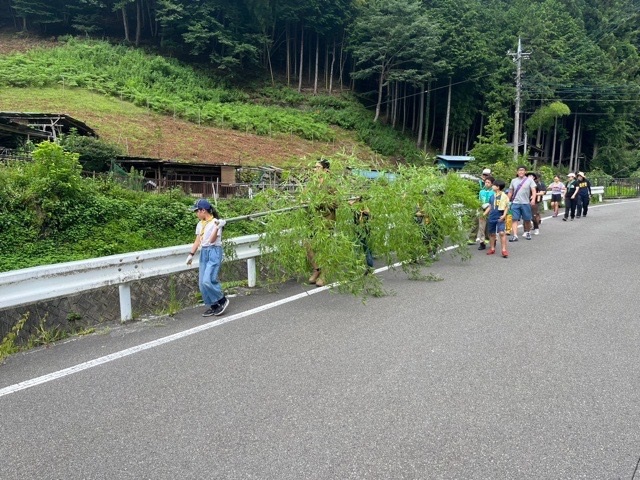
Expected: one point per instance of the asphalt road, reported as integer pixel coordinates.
(518, 368)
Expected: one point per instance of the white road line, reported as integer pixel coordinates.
(192, 331)
(155, 343)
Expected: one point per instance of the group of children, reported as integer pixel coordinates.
(495, 216)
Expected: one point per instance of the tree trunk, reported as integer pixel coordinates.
(396, 93)
(555, 137)
(309, 69)
(561, 153)
(380, 87)
(301, 58)
(421, 117)
(153, 24)
(125, 22)
(315, 80)
(446, 123)
(547, 144)
(426, 115)
(388, 103)
(466, 146)
(333, 61)
(326, 66)
(433, 124)
(138, 22)
(573, 141)
(404, 109)
(287, 34)
(341, 63)
(578, 144)
(268, 50)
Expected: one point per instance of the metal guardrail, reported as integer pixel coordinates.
(21, 287)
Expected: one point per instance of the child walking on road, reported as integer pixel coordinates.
(497, 211)
(209, 240)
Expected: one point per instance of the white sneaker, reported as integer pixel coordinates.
(478, 240)
(527, 235)
(536, 231)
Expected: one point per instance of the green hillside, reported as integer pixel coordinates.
(157, 107)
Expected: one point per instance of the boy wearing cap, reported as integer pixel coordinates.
(584, 195)
(571, 190)
(209, 240)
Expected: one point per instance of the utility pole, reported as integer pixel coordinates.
(518, 57)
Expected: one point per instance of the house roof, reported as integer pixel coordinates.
(455, 158)
(46, 122)
(142, 163)
(453, 161)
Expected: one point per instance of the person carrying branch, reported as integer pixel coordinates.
(327, 209)
(209, 241)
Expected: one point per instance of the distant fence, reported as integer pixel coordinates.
(222, 190)
(620, 187)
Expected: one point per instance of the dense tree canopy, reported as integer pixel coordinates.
(436, 69)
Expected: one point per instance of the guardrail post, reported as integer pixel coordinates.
(251, 272)
(125, 302)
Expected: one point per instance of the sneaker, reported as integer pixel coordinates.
(514, 238)
(572, 219)
(577, 216)
(482, 246)
(320, 282)
(478, 240)
(527, 235)
(536, 231)
(222, 306)
(505, 254)
(209, 312)
(491, 251)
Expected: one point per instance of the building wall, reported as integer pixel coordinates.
(227, 174)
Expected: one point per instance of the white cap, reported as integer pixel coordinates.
(486, 171)
(571, 174)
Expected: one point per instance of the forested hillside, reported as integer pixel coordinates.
(434, 68)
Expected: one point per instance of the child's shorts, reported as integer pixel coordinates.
(495, 227)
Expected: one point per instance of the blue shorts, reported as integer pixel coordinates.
(494, 226)
(521, 210)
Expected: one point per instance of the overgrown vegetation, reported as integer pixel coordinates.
(393, 231)
(49, 213)
(9, 345)
(166, 86)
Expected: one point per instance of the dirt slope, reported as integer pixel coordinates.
(143, 133)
